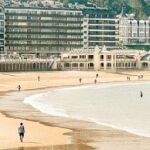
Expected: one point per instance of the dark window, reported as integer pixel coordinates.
(101, 57)
(90, 56)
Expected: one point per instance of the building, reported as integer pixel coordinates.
(132, 32)
(103, 59)
(99, 28)
(27, 62)
(48, 31)
(96, 59)
(2, 27)
(43, 32)
(51, 31)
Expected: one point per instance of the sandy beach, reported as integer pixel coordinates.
(57, 133)
(33, 136)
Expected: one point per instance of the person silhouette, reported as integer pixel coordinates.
(141, 94)
(97, 75)
(21, 131)
(19, 88)
(80, 80)
(38, 78)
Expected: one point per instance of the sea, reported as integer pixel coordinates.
(120, 105)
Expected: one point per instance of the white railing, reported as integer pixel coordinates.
(26, 60)
(78, 59)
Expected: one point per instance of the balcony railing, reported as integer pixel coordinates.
(75, 60)
(125, 60)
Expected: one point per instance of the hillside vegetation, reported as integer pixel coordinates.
(140, 8)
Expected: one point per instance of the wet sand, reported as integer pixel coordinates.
(57, 133)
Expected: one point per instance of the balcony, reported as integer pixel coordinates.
(75, 60)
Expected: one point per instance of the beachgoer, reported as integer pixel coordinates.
(97, 75)
(21, 131)
(80, 80)
(141, 94)
(38, 78)
(95, 81)
(19, 88)
(142, 76)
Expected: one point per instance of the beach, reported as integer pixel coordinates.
(53, 132)
(10, 139)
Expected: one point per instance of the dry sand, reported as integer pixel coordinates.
(41, 135)
(29, 80)
(36, 134)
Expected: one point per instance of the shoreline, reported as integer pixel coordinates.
(104, 84)
(78, 133)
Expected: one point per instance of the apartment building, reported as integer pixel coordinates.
(99, 28)
(2, 27)
(43, 32)
(133, 32)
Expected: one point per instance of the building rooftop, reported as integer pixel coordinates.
(41, 8)
(145, 57)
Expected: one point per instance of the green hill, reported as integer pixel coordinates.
(139, 7)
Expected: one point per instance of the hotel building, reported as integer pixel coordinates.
(43, 32)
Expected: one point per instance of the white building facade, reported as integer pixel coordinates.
(134, 32)
(103, 59)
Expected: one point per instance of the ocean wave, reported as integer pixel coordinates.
(45, 108)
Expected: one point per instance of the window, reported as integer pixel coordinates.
(90, 56)
(102, 65)
(67, 65)
(108, 65)
(91, 66)
(82, 56)
(101, 57)
(74, 57)
(74, 65)
(108, 57)
(81, 65)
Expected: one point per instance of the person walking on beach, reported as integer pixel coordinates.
(141, 94)
(19, 88)
(38, 78)
(21, 131)
(95, 81)
(97, 75)
(80, 80)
